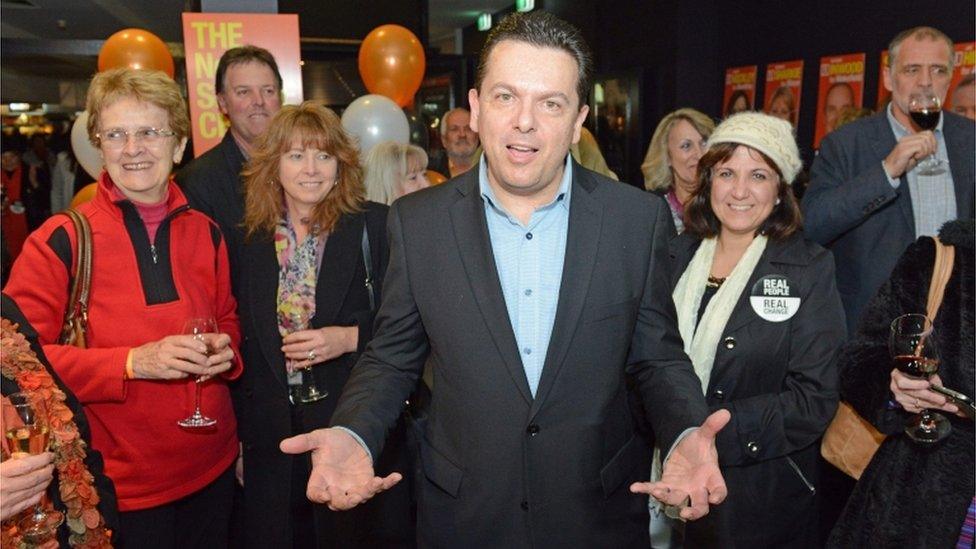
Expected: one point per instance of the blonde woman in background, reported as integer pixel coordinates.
(393, 170)
(671, 162)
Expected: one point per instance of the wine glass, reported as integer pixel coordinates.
(916, 354)
(305, 390)
(26, 433)
(925, 108)
(204, 330)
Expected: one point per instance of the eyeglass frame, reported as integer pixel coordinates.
(134, 134)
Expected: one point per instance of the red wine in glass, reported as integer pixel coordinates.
(925, 109)
(915, 353)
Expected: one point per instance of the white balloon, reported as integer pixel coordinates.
(86, 153)
(374, 119)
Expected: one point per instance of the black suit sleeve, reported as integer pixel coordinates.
(388, 371)
(670, 391)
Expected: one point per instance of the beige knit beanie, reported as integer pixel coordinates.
(771, 136)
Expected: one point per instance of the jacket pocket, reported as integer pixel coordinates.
(622, 464)
(601, 312)
(803, 478)
(439, 470)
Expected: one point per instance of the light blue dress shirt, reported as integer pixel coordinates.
(529, 259)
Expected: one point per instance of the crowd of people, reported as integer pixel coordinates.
(531, 354)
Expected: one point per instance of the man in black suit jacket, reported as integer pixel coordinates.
(511, 456)
(248, 88)
(866, 200)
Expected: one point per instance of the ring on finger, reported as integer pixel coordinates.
(311, 354)
(917, 403)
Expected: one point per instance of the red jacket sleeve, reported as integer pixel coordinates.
(39, 284)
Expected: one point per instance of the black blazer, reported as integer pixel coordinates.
(851, 208)
(212, 184)
(779, 381)
(264, 413)
(93, 459)
(501, 468)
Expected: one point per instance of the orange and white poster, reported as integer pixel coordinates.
(740, 89)
(963, 65)
(784, 82)
(883, 93)
(841, 87)
(206, 36)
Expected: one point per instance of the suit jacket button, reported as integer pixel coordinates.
(752, 447)
(532, 430)
(729, 342)
(524, 505)
(718, 394)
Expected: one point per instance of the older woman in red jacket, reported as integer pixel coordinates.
(156, 263)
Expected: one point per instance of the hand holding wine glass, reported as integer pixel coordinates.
(203, 330)
(915, 353)
(925, 109)
(27, 436)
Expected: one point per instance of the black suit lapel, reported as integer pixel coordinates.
(582, 241)
(262, 264)
(884, 142)
(474, 246)
(234, 159)
(341, 258)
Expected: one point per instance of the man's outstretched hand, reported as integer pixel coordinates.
(342, 473)
(692, 471)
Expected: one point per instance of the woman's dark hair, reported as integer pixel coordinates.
(736, 95)
(701, 221)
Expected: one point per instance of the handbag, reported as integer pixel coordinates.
(75, 324)
(850, 440)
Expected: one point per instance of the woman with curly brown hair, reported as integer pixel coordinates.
(313, 260)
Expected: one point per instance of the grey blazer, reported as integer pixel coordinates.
(501, 468)
(851, 208)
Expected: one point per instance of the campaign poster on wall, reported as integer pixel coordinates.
(782, 93)
(963, 65)
(841, 87)
(740, 89)
(883, 93)
(206, 36)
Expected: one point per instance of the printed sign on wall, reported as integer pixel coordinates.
(841, 87)
(740, 89)
(206, 36)
(784, 81)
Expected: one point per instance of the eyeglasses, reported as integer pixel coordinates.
(116, 138)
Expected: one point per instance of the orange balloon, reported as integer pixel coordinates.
(435, 178)
(136, 49)
(392, 63)
(85, 194)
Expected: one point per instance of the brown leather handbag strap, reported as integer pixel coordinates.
(77, 310)
(941, 272)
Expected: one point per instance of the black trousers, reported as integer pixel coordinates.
(201, 519)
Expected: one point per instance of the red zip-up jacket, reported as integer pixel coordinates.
(140, 292)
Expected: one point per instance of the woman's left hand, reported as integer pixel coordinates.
(222, 358)
(310, 347)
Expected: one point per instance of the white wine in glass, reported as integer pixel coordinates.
(204, 330)
(27, 433)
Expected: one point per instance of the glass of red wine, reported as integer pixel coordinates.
(925, 108)
(916, 354)
(204, 330)
(26, 433)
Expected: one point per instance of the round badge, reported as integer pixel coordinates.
(774, 298)
(17, 208)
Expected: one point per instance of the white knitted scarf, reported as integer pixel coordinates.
(701, 343)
